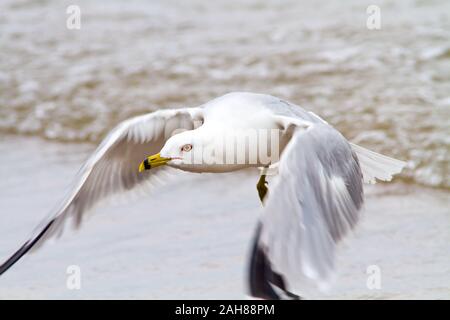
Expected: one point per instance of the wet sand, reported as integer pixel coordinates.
(191, 239)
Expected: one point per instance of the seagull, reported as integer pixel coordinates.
(313, 199)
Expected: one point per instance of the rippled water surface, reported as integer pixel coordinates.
(386, 89)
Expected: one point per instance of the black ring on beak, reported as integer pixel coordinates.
(147, 165)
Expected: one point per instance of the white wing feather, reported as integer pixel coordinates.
(113, 169)
(312, 203)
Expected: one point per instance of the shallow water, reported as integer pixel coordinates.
(198, 248)
(386, 89)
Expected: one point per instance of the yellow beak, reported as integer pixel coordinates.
(153, 161)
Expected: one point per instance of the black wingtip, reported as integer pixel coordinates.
(262, 278)
(23, 249)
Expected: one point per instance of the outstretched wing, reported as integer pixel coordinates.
(113, 168)
(312, 203)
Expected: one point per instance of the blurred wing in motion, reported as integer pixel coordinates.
(113, 169)
(312, 203)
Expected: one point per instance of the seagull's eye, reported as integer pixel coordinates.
(186, 147)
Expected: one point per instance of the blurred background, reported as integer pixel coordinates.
(62, 90)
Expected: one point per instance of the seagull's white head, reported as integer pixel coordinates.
(200, 150)
(185, 150)
(182, 148)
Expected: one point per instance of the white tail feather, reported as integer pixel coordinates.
(376, 166)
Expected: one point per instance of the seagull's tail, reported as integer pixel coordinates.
(376, 166)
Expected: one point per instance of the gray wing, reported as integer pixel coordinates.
(113, 169)
(312, 203)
